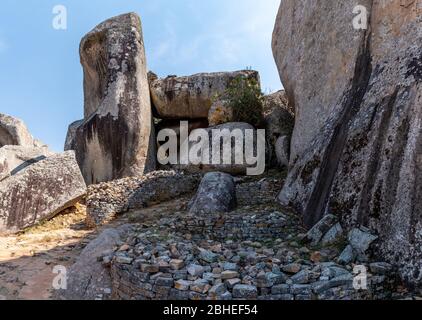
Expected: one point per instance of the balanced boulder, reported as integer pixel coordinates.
(39, 192)
(116, 139)
(191, 97)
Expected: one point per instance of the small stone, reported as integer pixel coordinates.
(316, 257)
(124, 247)
(382, 268)
(231, 283)
(150, 268)
(242, 291)
(208, 256)
(176, 264)
(347, 256)
(321, 228)
(301, 289)
(302, 277)
(333, 235)
(195, 270)
(124, 260)
(292, 268)
(217, 290)
(228, 266)
(182, 285)
(280, 289)
(226, 275)
(200, 286)
(164, 282)
(360, 240)
(227, 296)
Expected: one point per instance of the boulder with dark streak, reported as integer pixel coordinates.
(40, 191)
(356, 150)
(116, 139)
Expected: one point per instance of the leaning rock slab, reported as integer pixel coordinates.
(216, 194)
(357, 142)
(191, 97)
(116, 139)
(39, 192)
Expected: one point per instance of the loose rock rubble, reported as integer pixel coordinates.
(165, 259)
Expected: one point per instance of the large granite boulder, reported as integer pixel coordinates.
(16, 158)
(357, 142)
(40, 191)
(191, 97)
(13, 132)
(116, 139)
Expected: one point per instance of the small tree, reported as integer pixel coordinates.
(244, 97)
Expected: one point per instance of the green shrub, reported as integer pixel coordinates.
(244, 98)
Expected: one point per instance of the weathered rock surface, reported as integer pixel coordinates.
(216, 194)
(357, 143)
(191, 97)
(39, 192)
(116, 139)
(215, 141)
(88, 278)
(279, 122)
(13, 132)
(16, 158)
(107, 200)
(282, 151)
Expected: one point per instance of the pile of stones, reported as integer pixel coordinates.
(147, 266)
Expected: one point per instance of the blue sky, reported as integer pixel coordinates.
(41, 77)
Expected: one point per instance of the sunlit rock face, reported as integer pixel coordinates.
(357, 143)
(116, 138)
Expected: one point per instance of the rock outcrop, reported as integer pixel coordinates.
(191, 97)
(39, 192)
(13, 132)
(116, 139)
(357, 142)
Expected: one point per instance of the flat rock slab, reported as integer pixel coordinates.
(39, 192)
